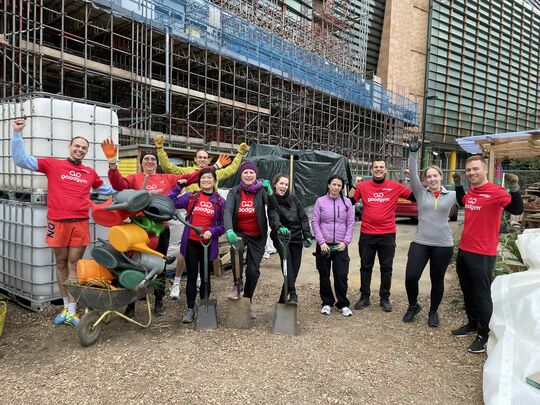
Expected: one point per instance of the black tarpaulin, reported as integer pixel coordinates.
(311, 169)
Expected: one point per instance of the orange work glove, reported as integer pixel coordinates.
(222, 161)
(110, 150)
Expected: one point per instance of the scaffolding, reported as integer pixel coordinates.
(198, 74)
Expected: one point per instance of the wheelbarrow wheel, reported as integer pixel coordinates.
(87, 333)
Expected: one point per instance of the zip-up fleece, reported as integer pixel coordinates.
(331, 221)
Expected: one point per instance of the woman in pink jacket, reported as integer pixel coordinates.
(332, 222)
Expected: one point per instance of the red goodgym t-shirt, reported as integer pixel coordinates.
(246, 219)
(380, 201)
(483, 209)
(69, 188)
(202, 215)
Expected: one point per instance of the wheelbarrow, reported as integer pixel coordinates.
(101, 304)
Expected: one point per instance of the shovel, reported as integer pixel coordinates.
(238, 309)
(207, 314)
(285, 317)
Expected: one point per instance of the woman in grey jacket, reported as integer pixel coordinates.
(433, 240)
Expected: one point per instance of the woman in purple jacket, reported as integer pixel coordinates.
(332, 222)
(205, 209)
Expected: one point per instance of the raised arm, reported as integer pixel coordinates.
(416, 183)
(20, 158)
(460, 191)
(516, 204)
(230, 170)
(164, 162)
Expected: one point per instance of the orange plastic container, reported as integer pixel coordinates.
(91, 272)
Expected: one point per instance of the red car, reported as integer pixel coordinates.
(408, 209)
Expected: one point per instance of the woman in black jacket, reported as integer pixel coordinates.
(245, 215)
(289, 217)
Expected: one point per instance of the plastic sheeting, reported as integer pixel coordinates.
(514, 342)
(311, 169)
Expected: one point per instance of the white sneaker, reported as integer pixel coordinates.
(326, 310)
(198, 283)
(346, 311)
(175, 292)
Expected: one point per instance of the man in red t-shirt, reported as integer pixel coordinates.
(484, 203)
(378, 231)
(68, 231)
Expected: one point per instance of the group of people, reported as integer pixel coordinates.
(255, 206)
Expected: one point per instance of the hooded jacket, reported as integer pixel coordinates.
(290, 214)
(261, 199)
(332, 220)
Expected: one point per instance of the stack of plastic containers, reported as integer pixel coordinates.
(27, 270)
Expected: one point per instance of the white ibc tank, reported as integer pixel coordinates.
(50, 125)
(27, 268)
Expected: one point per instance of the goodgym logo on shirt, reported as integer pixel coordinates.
(378, 197)
(471, 204)
(204, 206)
(153, 189)
(74, 176)
(247, 207)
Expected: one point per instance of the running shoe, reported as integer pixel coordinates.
(61, 317)
(433, 319)
(465, 330)
(234, 294)
(479, 344)
(386, 306)
(346, 311)
(411, 313)
(362, 303)
(189, 315)
(326, 309)
(175, 292)
(72, 319)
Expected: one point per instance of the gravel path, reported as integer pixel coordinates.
(370, 358)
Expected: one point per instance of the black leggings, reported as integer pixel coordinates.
(194, 265)
(439, 257)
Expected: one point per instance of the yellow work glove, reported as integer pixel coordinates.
(243, 148)
(159, 141)
(110, 150)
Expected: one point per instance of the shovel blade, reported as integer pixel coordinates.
(238, 313)
(207, 316)
(285, 319)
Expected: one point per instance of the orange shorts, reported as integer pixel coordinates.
(64, 234)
